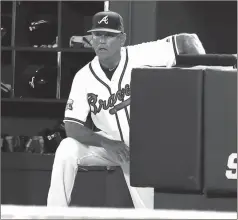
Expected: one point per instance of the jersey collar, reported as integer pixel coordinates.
(116, 75)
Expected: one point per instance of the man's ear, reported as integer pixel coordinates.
(123, 39)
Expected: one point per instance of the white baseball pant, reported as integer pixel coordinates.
(69, 155)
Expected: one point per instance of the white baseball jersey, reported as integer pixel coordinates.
(93, 92)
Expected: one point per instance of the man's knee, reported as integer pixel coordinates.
(70, 148)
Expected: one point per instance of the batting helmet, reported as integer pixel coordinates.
(42, 30)
(6, 24)
(43, 82)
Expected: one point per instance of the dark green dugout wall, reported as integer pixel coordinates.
(215, 22)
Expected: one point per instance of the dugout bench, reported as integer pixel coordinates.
(183, 133)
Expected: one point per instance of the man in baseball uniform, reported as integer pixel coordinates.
(97, 88)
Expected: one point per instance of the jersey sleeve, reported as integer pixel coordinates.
(77, 107)
(155, 53)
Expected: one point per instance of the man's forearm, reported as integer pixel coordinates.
(189, 44)
(85, 135)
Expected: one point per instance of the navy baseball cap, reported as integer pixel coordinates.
(108, 21)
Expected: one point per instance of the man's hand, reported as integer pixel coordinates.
(117, 149)
(189, 44)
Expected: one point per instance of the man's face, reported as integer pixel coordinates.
(106, 44)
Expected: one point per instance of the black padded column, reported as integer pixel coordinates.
(165, 135)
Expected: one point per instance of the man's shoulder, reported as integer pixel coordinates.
(133, 50)
(138, 51)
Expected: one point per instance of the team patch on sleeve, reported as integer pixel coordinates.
(69, 105)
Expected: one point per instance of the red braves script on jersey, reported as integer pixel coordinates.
(97, 105)
(93, 92)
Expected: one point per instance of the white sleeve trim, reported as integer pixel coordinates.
(74, 120)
